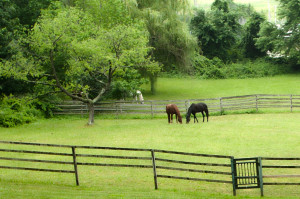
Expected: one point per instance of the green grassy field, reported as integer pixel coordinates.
(259, 5)
(191, 88)
(243, 135)
(275, 135)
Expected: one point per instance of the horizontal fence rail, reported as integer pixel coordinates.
(235, 103)
(278, 175)
(165, 164)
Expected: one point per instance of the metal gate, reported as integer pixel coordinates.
(247, 174)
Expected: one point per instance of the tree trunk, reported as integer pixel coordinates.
(153, 79)
(91, 113)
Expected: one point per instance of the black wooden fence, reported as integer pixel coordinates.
(236, 103)
(165, 164)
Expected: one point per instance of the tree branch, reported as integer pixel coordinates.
(58, 84)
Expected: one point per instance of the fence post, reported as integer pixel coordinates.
(186, 105)
(260, 176)
(256, 103)
(81, 110)
(291, 98)
(233, 171)
(154, 168)
(152, 114)
(221, 106)
(75, 165)
(117, 111)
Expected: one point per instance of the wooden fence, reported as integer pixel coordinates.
(163, 163)
(236, 103)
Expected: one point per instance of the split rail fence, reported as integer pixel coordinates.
(164, 164)
(236, 103)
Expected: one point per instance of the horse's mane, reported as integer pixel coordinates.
(189, 112)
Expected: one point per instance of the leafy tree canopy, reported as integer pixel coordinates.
(167, 23)
(217, 30)
(72, 51)
(283, 39)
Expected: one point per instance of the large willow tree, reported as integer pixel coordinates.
(167, 23)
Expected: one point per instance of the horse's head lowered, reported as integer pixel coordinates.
(180, 119)
(188, 118)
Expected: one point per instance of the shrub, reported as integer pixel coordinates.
(14, 111)
(216, 69)
(251, 69)
(208, 69)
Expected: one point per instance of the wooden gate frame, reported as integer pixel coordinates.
(247, 174)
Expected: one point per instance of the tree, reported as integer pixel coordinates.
(9, 23)
(167, 23)
(217, 30)
(252, 28)
(16, 18)
(283, 39)
(92, 55)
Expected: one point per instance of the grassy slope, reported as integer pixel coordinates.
(174, 88)
(238, 135)
(259, 5)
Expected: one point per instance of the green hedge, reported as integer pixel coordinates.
(15, 111)
(216, 69)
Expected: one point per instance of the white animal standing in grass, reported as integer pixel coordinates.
(140, 96)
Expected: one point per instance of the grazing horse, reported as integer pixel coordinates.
(173, 109)
(195, 108)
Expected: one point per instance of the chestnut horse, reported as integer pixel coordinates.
(173, 109)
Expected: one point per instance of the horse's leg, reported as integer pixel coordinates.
(206, 113)
(203, 115)
(169, 118)
(176, 118)
(195, 118)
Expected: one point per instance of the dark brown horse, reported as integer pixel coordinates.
(173, 109)
(195, 108)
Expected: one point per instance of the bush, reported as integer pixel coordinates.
(208, 69)
(216, 69)
(257, 68)
(14, 111)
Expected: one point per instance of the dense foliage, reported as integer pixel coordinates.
(283, 39)
(16, 111)
(99, 49)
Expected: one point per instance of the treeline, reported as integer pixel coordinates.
(97, 49)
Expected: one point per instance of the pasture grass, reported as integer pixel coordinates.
(193, 88)
(248, 135)
(259, 5)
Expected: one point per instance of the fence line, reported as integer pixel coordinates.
(278, 169)
(160, 161)
(234, 103)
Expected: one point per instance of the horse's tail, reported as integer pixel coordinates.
(206, 112)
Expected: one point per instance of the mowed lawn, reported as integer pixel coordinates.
(247, 135)
(192, 88)
(259, 5)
